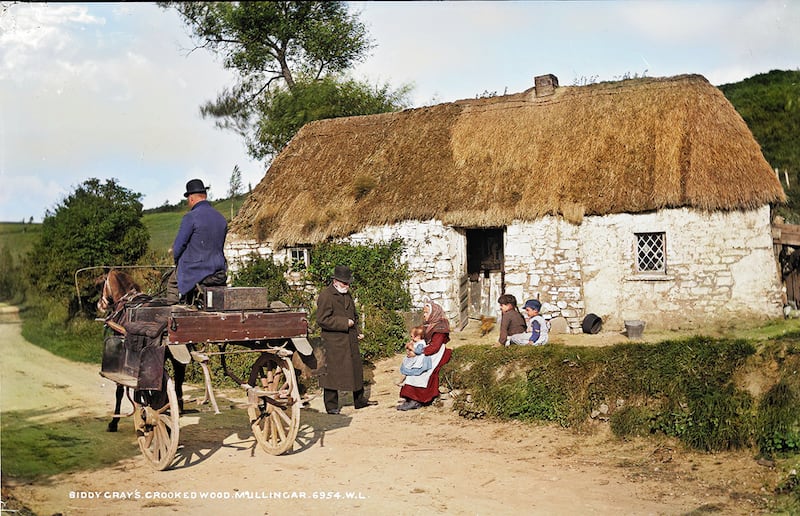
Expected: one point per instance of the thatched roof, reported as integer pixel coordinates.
(629, 146)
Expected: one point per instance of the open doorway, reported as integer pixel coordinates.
(484, 281)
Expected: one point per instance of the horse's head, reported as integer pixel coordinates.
(116, 285)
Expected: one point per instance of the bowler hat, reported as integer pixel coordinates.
(194, 186)
(342, 273)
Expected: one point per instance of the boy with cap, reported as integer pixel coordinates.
(537, 334)
(511, 321)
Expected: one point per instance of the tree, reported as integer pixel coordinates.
(285, 111)
(98, 224)
(236, 182)
(278, 47)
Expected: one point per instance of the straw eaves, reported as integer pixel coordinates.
(630, 146)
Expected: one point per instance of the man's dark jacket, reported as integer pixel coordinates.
(199, 244)
(343, 369)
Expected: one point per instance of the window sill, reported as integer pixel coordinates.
(650, 277)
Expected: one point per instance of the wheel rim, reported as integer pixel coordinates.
(158, 430)
(275, 426)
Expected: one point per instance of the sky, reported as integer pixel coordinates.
(112, 90)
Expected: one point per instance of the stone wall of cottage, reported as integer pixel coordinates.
(720, 266)
(436, 258)
(435, 254)
(542, 261)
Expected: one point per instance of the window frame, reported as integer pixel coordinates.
(299, 263)
(662, 253)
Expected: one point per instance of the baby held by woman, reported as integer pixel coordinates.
(415, 362)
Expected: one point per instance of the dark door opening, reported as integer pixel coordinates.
(485, 258)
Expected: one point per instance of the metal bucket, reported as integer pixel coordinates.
(634, 329)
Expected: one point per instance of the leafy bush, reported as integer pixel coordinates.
(12, 280)
(259, 271)
(721, 418)
(379, 288)
(98, 224)
(633, 421)
(779, 420)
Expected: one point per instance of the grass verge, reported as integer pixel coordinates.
(35, 447)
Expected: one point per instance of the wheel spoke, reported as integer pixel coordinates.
(280, 414)
(276, 416)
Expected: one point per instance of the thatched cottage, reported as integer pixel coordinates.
(640, 199)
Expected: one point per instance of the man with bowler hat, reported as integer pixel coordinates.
(343, 370)
(198, 246)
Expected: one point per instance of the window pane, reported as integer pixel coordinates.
(299, 258)
(650, 252)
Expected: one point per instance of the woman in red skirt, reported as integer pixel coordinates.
(422, 389)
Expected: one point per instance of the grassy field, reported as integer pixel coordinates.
(19, 237)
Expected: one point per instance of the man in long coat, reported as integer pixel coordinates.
(336, 315)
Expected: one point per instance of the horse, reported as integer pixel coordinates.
(119, 288)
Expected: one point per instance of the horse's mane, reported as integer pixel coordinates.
(116, 286)
(125, 281)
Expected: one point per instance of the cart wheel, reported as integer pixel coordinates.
(157, 427)
(275, 420)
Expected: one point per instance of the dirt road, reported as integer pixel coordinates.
(371, 461)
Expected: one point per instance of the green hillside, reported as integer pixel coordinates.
(770, 105)
(163, 223)
(18, 237)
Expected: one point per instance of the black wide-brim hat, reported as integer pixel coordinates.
(194, 186)
(343, 273)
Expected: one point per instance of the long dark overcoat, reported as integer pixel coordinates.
(343, 369)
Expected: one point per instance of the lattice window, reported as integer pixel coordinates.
(651, 252)
(299, 257)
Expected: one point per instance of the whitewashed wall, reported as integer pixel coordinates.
(543, 262)
(720, 266)
(436, 258)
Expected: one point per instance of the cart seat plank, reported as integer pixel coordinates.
(197, 327)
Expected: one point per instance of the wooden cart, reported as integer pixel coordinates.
(187, 333)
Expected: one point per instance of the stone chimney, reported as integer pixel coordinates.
(545, 84)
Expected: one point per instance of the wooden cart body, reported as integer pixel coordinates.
(273, 334)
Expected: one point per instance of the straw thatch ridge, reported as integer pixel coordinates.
(629, 146)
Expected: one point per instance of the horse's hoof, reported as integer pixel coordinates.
(112, 427)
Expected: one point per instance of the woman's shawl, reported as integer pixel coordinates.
(437, 321)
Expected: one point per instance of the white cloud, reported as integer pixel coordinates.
(32, 192)
(122, 102)
(29, 32)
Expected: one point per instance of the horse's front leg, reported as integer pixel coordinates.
(112, 425)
